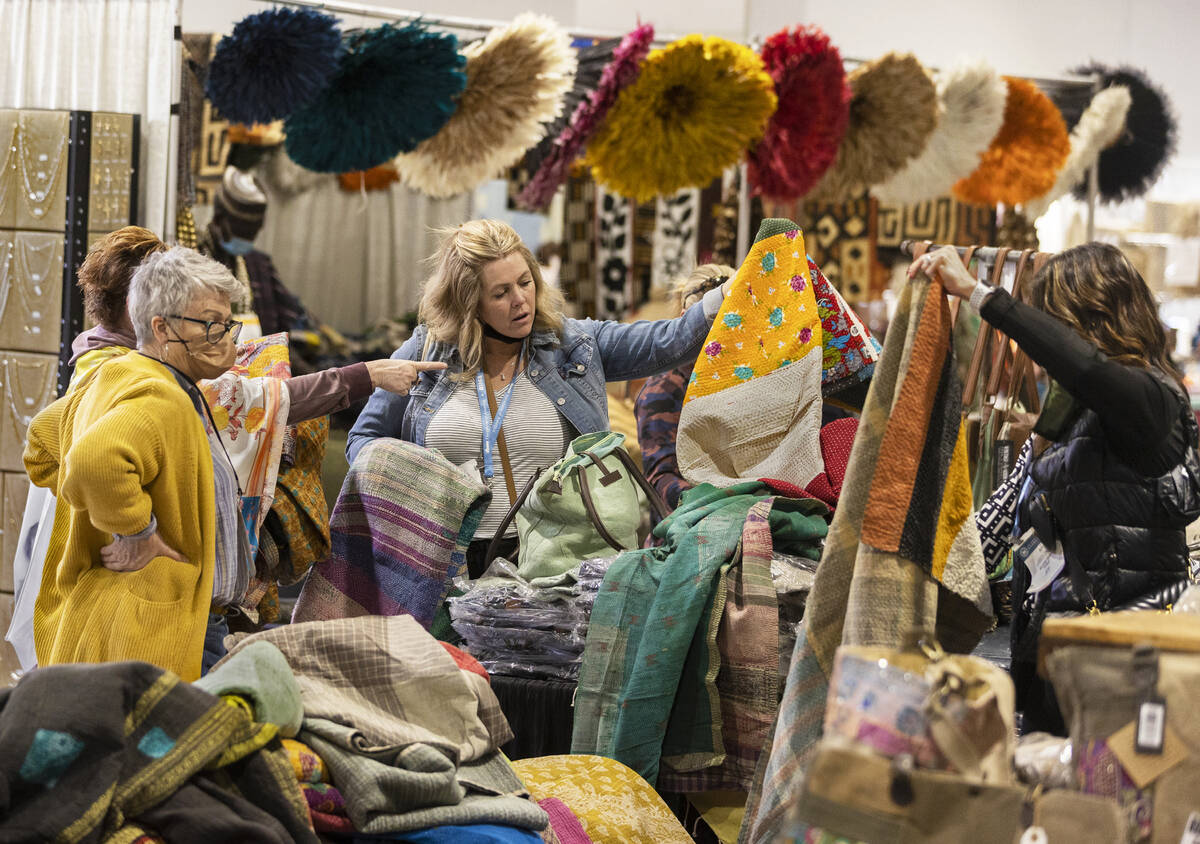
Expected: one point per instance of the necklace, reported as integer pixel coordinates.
(34, 264)
(39, 196)
(21, 405)
(10, 147)
(9, 250)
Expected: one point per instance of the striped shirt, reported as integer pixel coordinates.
(537, 436)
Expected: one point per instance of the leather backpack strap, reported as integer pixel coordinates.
(509, 516)
(981, 343)
(589, 507)
(655, 500)
(501, 445)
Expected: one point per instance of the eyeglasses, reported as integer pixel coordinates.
(213, 331)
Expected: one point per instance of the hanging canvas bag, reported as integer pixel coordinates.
(1128, 683)
(588, 504)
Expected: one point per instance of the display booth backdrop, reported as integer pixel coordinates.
(98, 55)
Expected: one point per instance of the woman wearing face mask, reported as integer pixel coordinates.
(153, 539)
(489, 315)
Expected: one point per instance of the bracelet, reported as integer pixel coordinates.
(979, 294)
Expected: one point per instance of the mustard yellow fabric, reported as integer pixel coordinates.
(768, 320)
(90, 360)
(124, 443)
(614, 805)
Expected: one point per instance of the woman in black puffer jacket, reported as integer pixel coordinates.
(1115, 476)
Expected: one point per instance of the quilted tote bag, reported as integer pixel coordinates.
(588, 504)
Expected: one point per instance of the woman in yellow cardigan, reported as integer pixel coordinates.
(133, 565)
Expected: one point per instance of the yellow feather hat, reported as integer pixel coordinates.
(696, 107)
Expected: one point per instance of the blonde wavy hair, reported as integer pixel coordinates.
(450, 301)
(700, 280)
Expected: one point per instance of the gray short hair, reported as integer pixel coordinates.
(167, 282)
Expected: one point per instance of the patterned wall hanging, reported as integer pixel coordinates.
(942, 220)
(577, 276)
(677, 225)
(645, 221)
(841, 240)
(614, 255)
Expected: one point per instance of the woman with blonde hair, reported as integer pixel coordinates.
(489, 315)
(1114, 474)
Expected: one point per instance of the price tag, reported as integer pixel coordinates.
(1191, 832)
(1044, 565)
(1151, 725)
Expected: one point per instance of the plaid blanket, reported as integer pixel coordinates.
(647, 686)
(399, 534)
(390, 681)
(139, 751)
(748, 682)
(902, 553)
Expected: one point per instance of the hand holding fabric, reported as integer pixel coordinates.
(944, 265)
(130, 553)
(399, 376)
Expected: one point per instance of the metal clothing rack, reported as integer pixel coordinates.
(985, 254)
(448, 21)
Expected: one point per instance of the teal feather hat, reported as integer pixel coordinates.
(395, 87)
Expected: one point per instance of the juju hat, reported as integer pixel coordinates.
(1132, 165)
(516, 79)
(273, 63)
(892, 115)
(803, 136)
(1098, 128)
(753, 405)
(394, 88)
(1027, 154)
(697, 105)
(972, 100)
(563, 150)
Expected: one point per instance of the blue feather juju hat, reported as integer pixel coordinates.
(396, 86)
(273, 63)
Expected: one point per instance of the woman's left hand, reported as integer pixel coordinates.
(946, 266)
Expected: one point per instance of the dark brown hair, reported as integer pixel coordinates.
(106, 271)
(1098, 292)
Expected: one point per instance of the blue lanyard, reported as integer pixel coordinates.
(490, 426)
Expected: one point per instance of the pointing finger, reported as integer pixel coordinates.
(428, 365)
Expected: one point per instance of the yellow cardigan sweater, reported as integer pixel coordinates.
(124, 443)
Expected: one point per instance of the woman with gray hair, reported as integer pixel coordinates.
(154, 538)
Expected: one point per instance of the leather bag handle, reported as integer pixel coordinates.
(509, 516)
(655, 500)
(1001, 353)
(981, 342)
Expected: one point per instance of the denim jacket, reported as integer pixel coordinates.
(570, 371)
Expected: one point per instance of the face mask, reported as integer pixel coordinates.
(207, 361)
(237, 246)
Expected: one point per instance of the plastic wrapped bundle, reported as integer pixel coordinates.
(534, 629)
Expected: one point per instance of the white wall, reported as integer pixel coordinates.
(1023, 37)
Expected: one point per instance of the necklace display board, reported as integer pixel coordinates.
(66, 179)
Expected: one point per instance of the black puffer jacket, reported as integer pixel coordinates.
(1122, 526)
